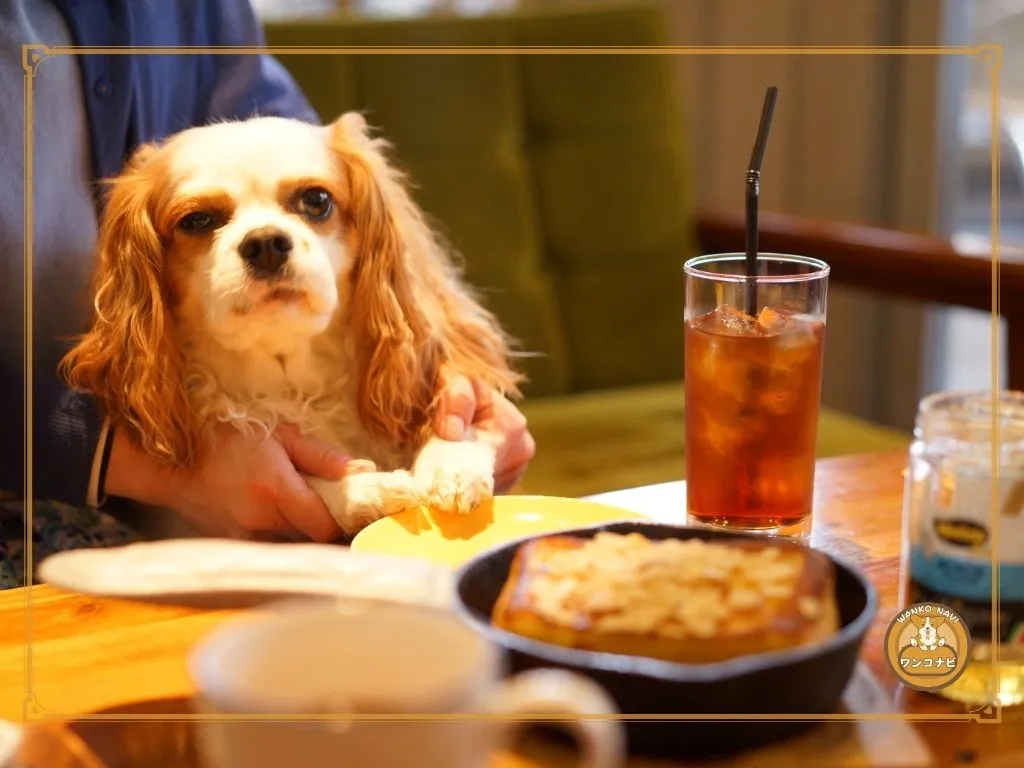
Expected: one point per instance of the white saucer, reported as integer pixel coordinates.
(226, 572)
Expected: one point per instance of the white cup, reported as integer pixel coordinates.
(401, 661)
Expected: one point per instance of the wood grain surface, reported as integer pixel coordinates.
(90, 654)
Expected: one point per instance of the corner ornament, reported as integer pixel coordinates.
(990, 55)
(32, 55)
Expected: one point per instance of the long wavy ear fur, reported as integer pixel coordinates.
(410, 310)
(129, 359)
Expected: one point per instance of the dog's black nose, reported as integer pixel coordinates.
(265, 251)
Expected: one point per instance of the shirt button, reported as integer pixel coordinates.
(102, 87)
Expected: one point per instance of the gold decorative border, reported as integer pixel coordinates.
(34, 54)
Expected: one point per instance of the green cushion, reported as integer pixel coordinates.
(562, 181)
(607, 440)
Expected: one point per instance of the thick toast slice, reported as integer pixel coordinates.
(688, 602)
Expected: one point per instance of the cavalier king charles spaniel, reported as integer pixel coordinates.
(267, 271)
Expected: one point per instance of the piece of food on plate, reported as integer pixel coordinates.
(685, 601)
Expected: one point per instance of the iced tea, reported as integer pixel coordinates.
(753, 386)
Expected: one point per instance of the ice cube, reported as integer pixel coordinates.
(725, 436)
(798, 340)
(707, 361)
(731, 320)
(771, 321)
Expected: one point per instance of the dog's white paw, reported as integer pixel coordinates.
(365, 496)
(358, 466)
(382, 493)
(457, 477)
(459, 492)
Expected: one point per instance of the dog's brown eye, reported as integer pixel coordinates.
(316, 203)
(196, 222)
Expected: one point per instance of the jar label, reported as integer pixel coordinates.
(976, 614)
(952, 545)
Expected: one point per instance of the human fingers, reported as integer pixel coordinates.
(303, 508)
(311, 456)
(258, 516)
(456, 407)
(506, 482)
(508, 418)
(517, 448)
(511, 470)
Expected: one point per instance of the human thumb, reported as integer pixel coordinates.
(456, 408)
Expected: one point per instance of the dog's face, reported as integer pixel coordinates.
(926, 628)
(252, 220)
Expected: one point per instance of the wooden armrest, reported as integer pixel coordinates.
(885, 261)
(895, 263)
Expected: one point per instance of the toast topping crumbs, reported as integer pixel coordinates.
(630, 584)
(809, 608)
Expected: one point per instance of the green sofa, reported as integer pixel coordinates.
(565, 183)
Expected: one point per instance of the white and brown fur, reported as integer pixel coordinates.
(348, 343)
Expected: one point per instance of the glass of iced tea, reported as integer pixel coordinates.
(753, 390)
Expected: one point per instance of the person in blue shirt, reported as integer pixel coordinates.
(89, 112)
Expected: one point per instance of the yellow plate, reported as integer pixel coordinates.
(453, 539)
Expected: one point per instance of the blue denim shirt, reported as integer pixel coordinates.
(131, 99)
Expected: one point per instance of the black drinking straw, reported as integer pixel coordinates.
(753, 190)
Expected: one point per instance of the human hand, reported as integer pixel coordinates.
(466, 403)
(243, 487)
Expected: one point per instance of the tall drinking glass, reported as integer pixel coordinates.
(753, 390)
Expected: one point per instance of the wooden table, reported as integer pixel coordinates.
(91, 653)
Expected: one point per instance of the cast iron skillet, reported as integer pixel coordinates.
(808, 680)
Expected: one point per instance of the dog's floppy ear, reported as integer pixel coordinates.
(410, 310)
(129, 358)
(938, 621)
(917, 621)
(142, 156)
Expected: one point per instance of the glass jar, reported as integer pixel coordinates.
(948, 532)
